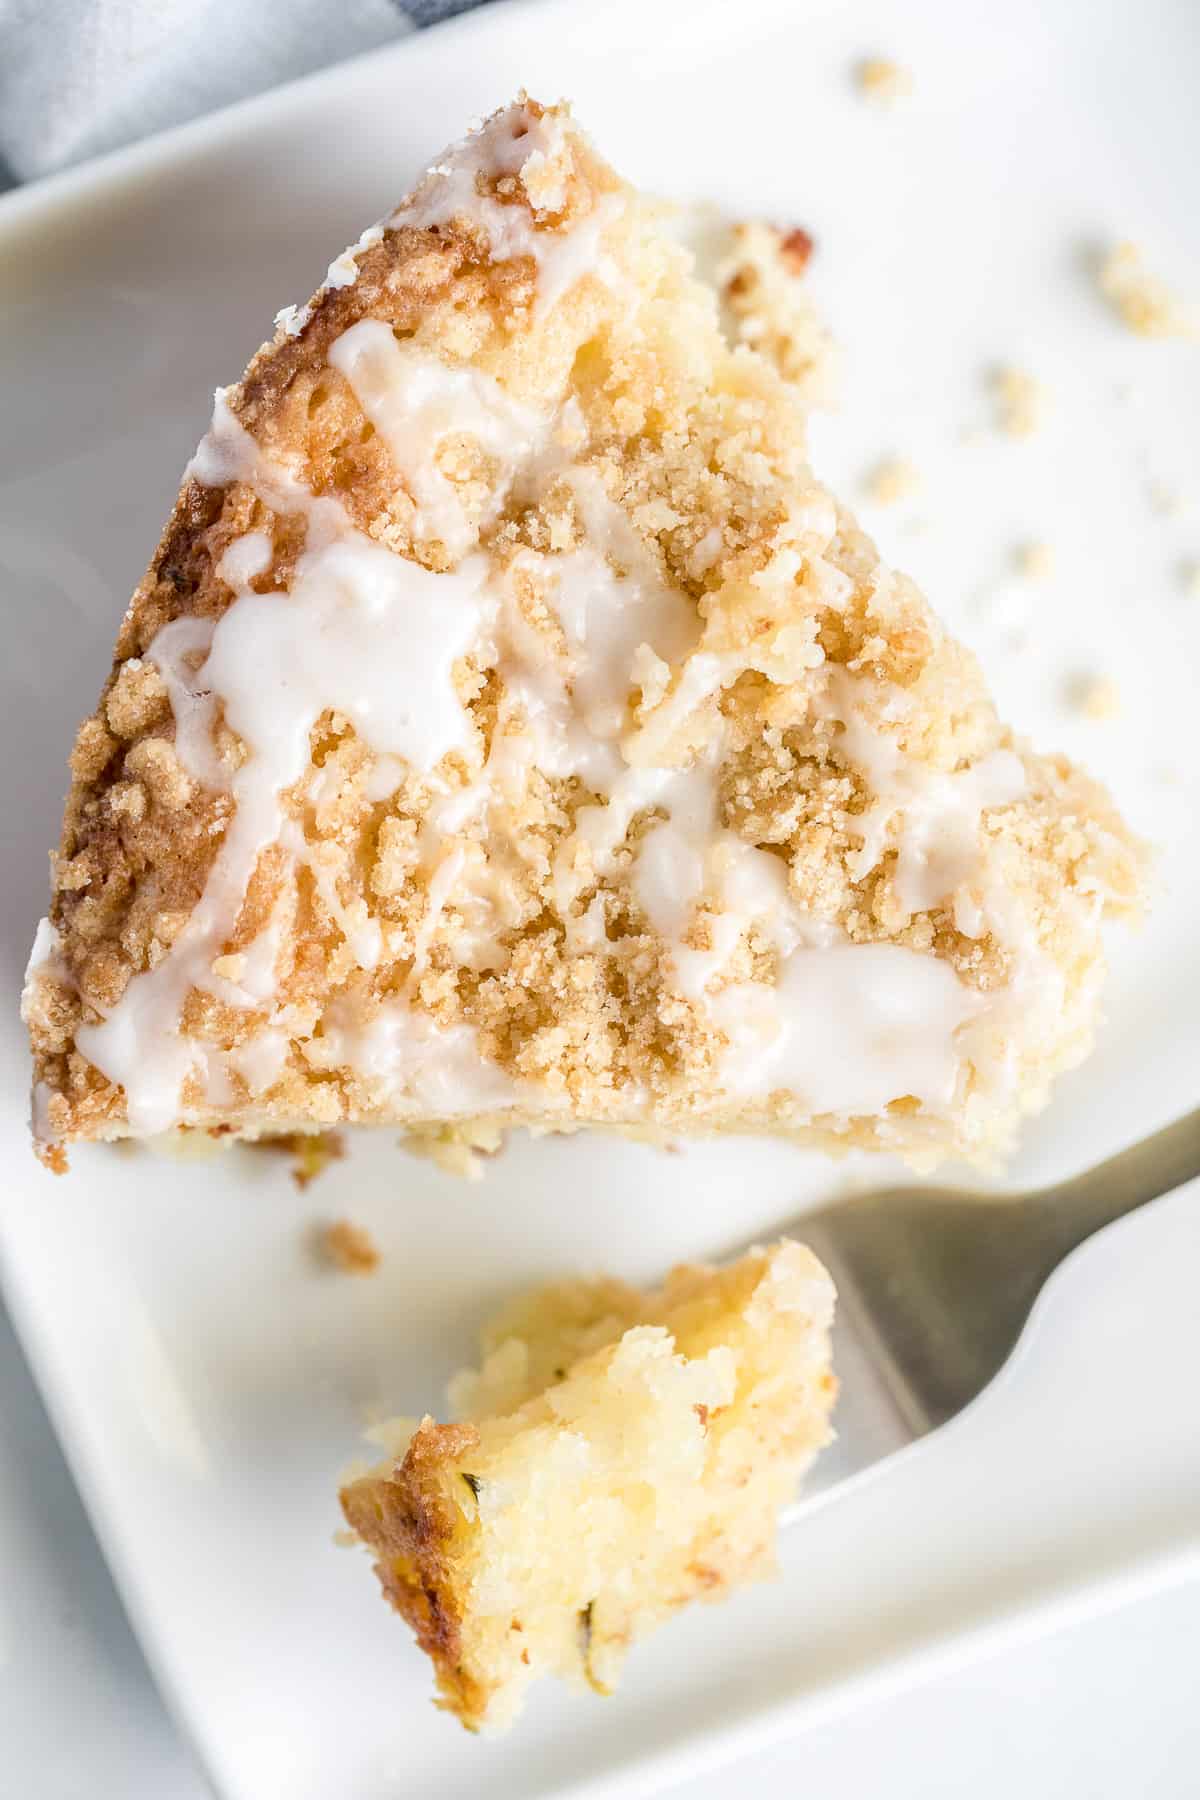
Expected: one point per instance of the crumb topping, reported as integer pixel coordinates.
(511, 729)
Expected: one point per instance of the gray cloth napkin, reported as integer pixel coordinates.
(81, 76)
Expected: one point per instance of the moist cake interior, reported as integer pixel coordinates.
(617, 1455)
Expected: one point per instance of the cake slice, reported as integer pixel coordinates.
(511, 730)
(619, 1454)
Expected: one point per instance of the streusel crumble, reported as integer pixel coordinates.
(510, 729)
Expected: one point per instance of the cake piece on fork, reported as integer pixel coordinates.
(619, 1454)
(511, 730)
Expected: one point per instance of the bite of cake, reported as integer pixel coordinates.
(618, 1454)
(511, 730)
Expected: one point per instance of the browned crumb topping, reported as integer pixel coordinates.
(349, 1248)
(767, 306)
(795, 250)
(702, 451)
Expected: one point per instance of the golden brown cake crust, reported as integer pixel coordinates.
(170, 831)
(409, 1525)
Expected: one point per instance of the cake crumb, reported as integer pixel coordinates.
(1143, 301)
(1035, 561)
(311, 1151)
(350, 1248)
(314, 1151)
(53, 1157)
(765, 305)
(457, 1149)
(712, 1394)
(892, 479)
(1020, 402)
(1189, 578)
(1166, 501)
(883, 81)
(1096, 696)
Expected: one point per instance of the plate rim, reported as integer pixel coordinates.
(1058, 1604)
(174, 144)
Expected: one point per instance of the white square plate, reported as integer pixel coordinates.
(209, 1381)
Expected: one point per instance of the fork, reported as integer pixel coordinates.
(935, 1287)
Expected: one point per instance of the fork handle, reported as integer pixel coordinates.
(1133, 1178)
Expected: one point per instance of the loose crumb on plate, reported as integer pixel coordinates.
(311, 1151)
(1164, 500)
(1143, 301)
(1020, 401)
(766, 305)
(883, 81)
(458, 1148)
(1095, 696)
(349, 1248)
(893, 478)
(1035, 561)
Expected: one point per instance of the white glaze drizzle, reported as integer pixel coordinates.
(245, 558)
(933, 816)
(46, 955)
(408, 1059)
(260, 1061)
(179, 652)
(533, 151)
(415, 401)
(362, 632)
(848, 1029)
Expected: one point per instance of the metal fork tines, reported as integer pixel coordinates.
(935, 1287)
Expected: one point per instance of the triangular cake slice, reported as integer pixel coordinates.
(510, 729)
